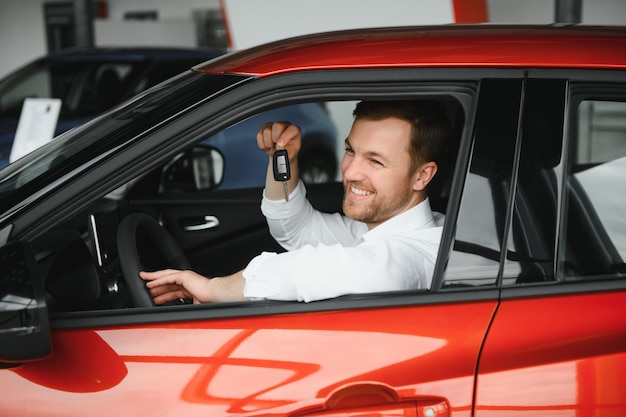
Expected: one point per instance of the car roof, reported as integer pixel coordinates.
(481, 45)
(132, 54)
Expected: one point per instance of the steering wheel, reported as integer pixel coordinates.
(142, 228)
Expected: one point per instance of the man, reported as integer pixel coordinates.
(387, 240)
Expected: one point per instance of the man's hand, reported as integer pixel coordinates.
(274, 136)
(170, 284)
(280, 135)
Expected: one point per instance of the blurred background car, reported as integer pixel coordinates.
(91, 81)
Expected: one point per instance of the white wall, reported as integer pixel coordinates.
(22, 36)
(254, 22)
(526, 11)
(170, 32)
(604, 12)
(594, 12)
(168, 9)
(175, 26)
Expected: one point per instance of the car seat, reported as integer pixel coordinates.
(108, 90)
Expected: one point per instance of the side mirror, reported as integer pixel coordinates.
(199, 169)
(24, 326)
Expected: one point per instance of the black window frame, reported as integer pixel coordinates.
(580, 83)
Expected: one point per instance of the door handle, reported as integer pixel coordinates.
(209, 222)
(379, 399)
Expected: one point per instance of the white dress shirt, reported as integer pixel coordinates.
(331, 255)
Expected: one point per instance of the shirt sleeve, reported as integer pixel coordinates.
(327, 271)
(295, 223)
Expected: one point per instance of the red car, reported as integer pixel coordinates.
(525, 315)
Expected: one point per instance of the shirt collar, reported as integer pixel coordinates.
(414, 218)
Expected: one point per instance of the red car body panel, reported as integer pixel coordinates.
(361, 358)
(453, 46)
(560, 358)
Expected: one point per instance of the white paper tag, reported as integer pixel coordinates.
(36, 126)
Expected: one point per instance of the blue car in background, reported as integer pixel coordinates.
(90, 81)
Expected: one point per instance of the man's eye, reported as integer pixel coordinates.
(349, 150)
(376, 162)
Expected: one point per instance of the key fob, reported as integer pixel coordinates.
(280, 165)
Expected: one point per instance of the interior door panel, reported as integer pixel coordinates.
(228, 228)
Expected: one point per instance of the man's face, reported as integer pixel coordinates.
(376, 171)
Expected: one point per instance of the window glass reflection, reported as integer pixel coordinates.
(595, 229)
(476, 253)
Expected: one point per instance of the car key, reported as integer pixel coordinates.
(282, 171)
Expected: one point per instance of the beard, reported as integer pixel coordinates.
(376, 209)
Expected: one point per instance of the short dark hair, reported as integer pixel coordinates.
(431, 128)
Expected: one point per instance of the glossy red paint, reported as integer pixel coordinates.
(448, 46)
(560, 357)
(403, 360)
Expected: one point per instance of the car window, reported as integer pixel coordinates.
(476, 254)
(318, 159)
(534, 216)
(16, 179)
(157, 72)
(219, 229)
(104, 86)
(84, 88)
(595, 228)
(35, 81)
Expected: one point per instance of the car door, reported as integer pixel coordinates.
(400, 353)
(557, 345)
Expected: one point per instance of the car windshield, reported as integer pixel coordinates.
(86, 86)
(87, 144)
(80, 85)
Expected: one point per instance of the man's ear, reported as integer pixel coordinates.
(424, 175)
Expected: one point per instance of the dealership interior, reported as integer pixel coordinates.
(313, 208)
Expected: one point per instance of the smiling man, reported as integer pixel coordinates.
(386, 240)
